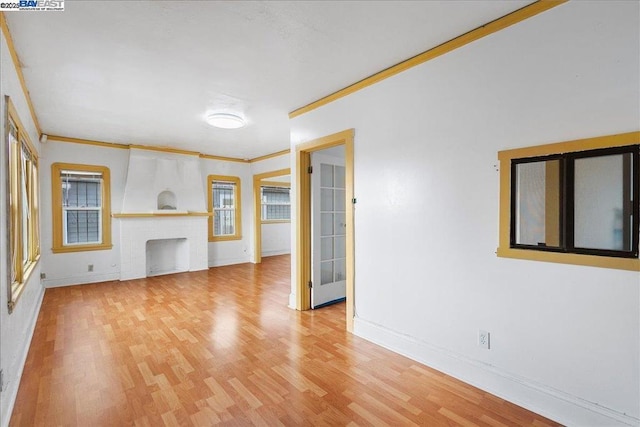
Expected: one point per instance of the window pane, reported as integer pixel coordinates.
(340, 226)
(340, 247)
(326, 199)
(326, 248)
(25, 178)
(326, 272)
(223, 195)
(326, 224)
(326, 175)
(82, 226)
(339, 177)
(600, 218)
(275, 203)
(340, 200)
(340, 267)
(537, 203)
(81, 193)
(224, 222)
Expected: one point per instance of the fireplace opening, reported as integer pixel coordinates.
(167, 256)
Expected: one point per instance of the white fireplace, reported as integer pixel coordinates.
(163, 223)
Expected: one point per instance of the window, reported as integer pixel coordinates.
(224, 204)
(81, 207)
(575, 202)
(276, 205)
(24, 226)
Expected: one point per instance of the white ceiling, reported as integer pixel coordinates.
(146, 72)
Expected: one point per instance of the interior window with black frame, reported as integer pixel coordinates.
(582, 202)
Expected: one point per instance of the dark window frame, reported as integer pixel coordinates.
(567, 202)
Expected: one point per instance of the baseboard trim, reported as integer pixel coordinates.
(543, 400)
(12, 392)
(80, 280)
(275, 253)
(292, 301)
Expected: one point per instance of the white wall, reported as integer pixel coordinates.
(276, 239)
(16, 329)
(270, 164)
(71, 268)
(565, 340)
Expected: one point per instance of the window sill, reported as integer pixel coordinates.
(224, 238)
(275, 221)
(81, 248)
(18, 288)
(630, 264)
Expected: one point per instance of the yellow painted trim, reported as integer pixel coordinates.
(87, 142)
(22, 267)
(160, 215)
(303, 219)
(630, 264)
(275, 184)
(142, 147)
(275, 221)
(18, 68)
(56, 208)
(226, 159)
(505, 157)
(13, 113)
(446, 47)
(164, 149)
(257, 217)
(269, 156)
(237, 203)
(608, 141)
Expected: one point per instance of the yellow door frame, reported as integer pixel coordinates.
(257, 217)
(303, 219)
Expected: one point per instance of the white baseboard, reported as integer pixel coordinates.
(275, 253)
(80, 280)
(546, 401)
(13, 386)
(292, 301)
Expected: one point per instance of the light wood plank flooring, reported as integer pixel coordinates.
(221, 347)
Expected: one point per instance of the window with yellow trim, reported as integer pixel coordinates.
(275, 203)
(24, 225)
(81, 207)
(575, 202)
(224, 204)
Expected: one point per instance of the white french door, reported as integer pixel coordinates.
(328, 225)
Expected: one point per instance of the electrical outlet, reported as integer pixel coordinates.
(43, 275)
(483, 339)
(90, 267)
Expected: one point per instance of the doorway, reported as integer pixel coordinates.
(273, 179)
(304, 216)
(328, 227)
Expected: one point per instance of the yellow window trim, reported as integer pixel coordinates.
(238, 210)
(505, 157)
(56, 207)
(275, 221)
(23, 267)
(275, 184)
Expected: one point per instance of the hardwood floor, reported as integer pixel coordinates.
(220, 346)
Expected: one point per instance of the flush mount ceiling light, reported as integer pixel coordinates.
(225, 120)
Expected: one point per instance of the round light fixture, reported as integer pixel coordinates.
(225, 120)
